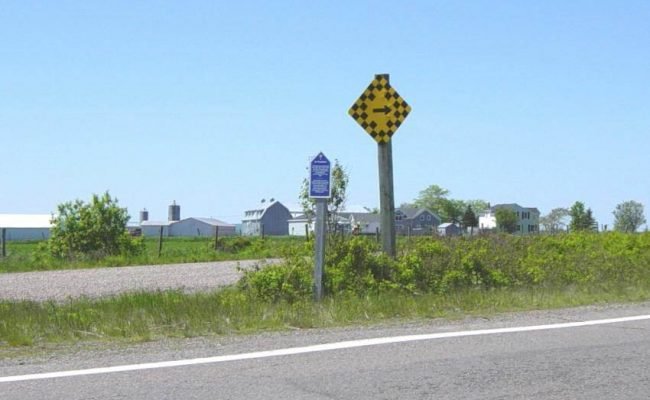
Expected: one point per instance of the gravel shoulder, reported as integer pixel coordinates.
(101, 282)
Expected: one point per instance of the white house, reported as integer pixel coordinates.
(527, 218)
(26, 226)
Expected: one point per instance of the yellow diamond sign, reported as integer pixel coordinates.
(380, 110)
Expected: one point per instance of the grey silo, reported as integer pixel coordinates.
(144, 215)
(174, 212)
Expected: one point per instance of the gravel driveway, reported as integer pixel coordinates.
(98, 282)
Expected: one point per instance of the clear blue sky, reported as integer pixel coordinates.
(219, 104)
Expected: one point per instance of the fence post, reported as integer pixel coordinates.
(4, 242)
(160, 240)
(307, 232)
(262, 229)
(377, 234)
(216, 237)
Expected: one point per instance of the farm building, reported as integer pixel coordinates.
(270, 218)
(188, 227)
(449, 229)
(152, 228)
(26, 226)
(297, 225)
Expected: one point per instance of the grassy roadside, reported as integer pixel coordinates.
(32, 256)
(430, 278)
(151, 316)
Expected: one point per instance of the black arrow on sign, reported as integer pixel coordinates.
(385, 110)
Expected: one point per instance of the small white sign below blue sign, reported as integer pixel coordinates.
(320, 178)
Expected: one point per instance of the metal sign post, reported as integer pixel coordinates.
(381, 111)
(320, 182)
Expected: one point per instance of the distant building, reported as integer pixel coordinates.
(364, 223)
(527, 218)
(417, 220)
(152, 228)
(449, 229)
(198, 227)
(297, 225)
(26, 226)
(188, 227)
(270, 218)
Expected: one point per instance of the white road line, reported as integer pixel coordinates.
(316, 348)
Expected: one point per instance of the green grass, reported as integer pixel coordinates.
(150, 316)
(32, 256)
(432, 279)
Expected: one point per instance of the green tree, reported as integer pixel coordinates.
(506, 220)
(336, 203)
(470, 220)
(435, 198)
(581, 219)
(554, 220)
(628, 216)
(96, 229)
(478, 206)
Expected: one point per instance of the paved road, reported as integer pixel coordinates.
(97, 282)
(590, 362)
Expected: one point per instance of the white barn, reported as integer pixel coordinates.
(26, 226)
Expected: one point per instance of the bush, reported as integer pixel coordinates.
(290, 281)
(445, 265)
(94, 230)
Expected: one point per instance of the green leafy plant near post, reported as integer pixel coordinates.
(96, 229)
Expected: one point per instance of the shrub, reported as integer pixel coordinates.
(452, 264)
(94, 230)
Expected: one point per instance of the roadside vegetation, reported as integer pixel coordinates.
(35, 256)
(430, 278)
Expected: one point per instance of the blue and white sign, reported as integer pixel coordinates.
(320, 177)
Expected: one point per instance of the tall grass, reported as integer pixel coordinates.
(429, 279)
(34, 256)
(150, 316)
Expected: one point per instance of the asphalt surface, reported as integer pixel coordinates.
(589, 362)
(99, 282)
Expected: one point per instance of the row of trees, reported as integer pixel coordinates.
(628, 217)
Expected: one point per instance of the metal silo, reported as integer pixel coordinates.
(174, 212)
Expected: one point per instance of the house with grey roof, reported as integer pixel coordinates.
(270, 218)
(527, 218)
(415, 220)
(449, 229)
(363, 223)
